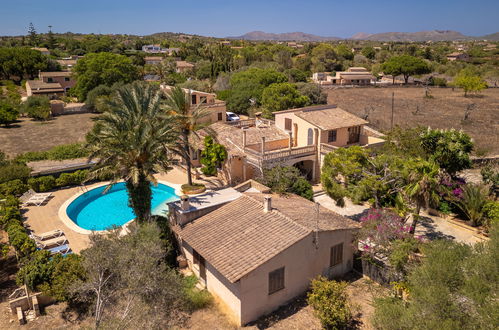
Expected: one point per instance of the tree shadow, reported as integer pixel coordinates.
(430, 229)
(281, 313)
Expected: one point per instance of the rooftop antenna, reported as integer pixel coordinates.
(316, 231)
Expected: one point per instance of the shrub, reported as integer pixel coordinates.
(64, 271)
(19, 239)
(8, 113)
(283, 180)
(42, 184)
(13, 171)
(329, 300)
(61, 152)
(37, 107)
(436, 81)
(69, 179)
(36, 271)
(491, 214)
(14, 187)
(212, 157)
(401, 249)
(472, 203)
(195, 188)
(196, 298)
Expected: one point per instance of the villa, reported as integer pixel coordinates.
(256, 251)
(153, 60)
(62, 78)
(353, 76)
(456, 56)
(39, 87)
(183, 66)
(215, 107)
(298, 137)
(157, 49)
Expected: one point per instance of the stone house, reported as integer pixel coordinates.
(256, 251)
(62, 78)
(353, 76)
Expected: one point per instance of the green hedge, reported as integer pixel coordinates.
(48, 182)
(13, 171)
(62, 152)
(10, 221)
(13, 187)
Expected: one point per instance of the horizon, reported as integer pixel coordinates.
(333, 20)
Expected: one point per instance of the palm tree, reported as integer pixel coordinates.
(187, 117)
(132, 140)
(422, 184)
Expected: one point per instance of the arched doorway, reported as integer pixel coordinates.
(306, 168)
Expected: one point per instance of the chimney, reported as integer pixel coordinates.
(267, 204)
(184, 203)
(244, 138)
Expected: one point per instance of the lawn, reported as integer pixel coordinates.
(444, 110)
(29, 135)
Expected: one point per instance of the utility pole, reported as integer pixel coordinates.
(393, 102)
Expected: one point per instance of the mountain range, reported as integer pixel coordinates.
(433, 35)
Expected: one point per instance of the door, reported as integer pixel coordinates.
(353, 134)
(202, 270)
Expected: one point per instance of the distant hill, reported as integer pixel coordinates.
(491, 37)
(290, 36)
(435, 35)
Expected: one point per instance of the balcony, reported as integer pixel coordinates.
(269, 158)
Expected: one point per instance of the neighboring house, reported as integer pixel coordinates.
(153, 60)
(157, 49)
(215, 107)
(68, 63)
(42, 50)
(152, 77)
(61, 77)
(38, 87)
(353, 76)
(456, 56)
(225, 42)
(255, 251)
(298, 137)
(183, 66)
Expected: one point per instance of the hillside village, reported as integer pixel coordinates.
(181, 181)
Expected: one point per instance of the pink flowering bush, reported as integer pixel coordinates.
(380, 228)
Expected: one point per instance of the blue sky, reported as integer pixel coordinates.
(222, 18)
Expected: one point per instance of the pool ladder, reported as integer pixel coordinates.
(83, 188)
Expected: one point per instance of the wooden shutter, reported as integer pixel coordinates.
(336, 255)
(276, 280)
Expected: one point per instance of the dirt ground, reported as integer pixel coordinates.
(445, 110)
(296, 315)
(29, 135)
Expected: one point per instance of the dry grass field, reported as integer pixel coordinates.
(29, 135)
(444, 110)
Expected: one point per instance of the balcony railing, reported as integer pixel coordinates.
(280, 155)
(249, 122)
(327, 148)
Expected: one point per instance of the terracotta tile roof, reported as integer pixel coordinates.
(329, 117)
(239, 236)
(232, 137)
(184, 64)
(38, 86)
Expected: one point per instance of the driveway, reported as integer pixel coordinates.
(430, 227)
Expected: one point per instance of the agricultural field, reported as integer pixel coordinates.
(444, 109)
(29, 135)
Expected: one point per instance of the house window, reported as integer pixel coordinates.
(276, 280)
(203, 99)
(193, 99)
(288, 123)
(66, 79)
(310, 137)
(336, 255)
(331, 136)
(50, 79)
(194, 155)
(219, 116)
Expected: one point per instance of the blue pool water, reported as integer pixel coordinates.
(99, 210)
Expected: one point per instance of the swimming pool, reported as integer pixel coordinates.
(99, 210)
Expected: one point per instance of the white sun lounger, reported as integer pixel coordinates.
(37, 199)
(50, 243)
(48, 235)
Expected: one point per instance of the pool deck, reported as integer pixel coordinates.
(40, 219)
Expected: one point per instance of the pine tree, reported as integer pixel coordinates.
(33, 37)
(50, 38)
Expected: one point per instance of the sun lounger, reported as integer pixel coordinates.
(48, 235)
(63, 249)
(37, 199)
(50, 243)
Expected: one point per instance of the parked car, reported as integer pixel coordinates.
(231, 116)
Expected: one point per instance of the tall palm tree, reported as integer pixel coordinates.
(422, 185)
(132, 140)
(187, 117)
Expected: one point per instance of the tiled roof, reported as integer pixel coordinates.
(329, 117)
(232, 137)
(40, 86)
(184, 64)
(239, 236)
